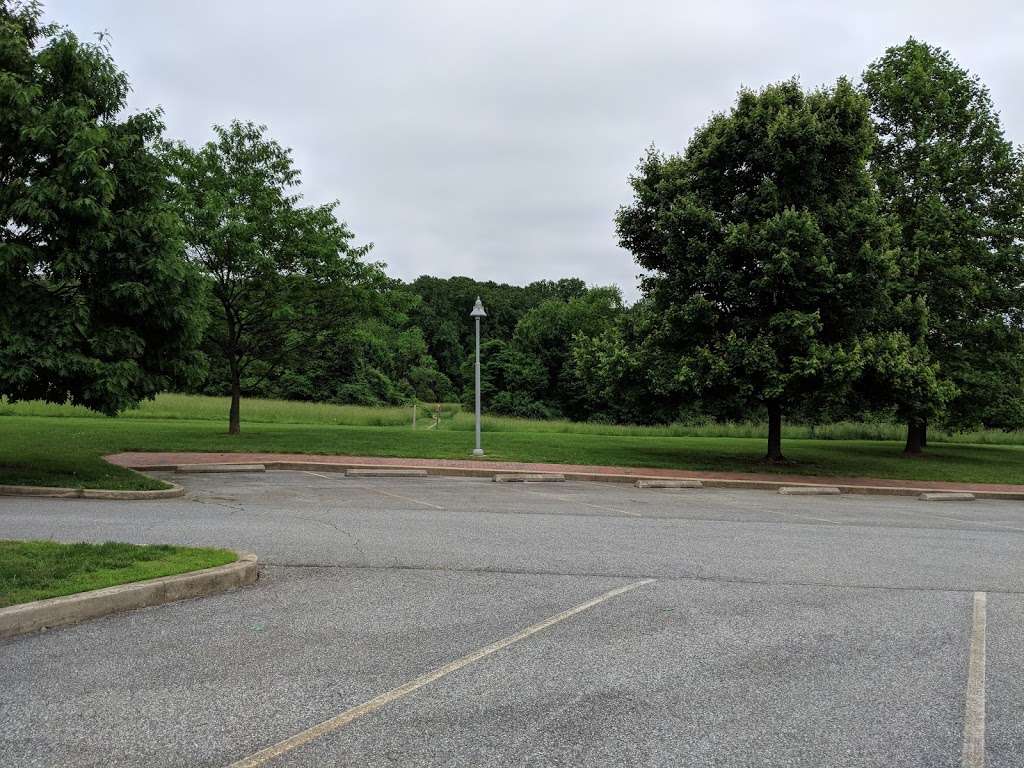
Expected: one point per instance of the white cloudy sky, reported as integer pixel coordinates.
(494, 139)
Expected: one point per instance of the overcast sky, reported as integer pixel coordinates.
(494, 140)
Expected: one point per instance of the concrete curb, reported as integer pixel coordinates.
(63, 611)
(212, 468)
(385, 472)
(174, 492)
(528, 477)
(669, 484)
(609, 477)
(810, 490)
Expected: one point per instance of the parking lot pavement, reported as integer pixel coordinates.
(756, 630)
(1005, 719)
(697, 674)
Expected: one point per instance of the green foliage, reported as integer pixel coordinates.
(953, 182)
(442, 313)
(548, 332)
(370, 355)
(619, 372)
(430, 385)
(531, 374)
(511, 381)
(769, 255)
(826, 254)
(279, 273)
(97, 306)
(37, 570)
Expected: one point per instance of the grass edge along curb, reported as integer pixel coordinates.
(600, 477)
(175, 491)
(22, 618)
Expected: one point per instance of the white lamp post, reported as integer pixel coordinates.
(476, 314)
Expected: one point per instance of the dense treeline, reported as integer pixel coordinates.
(814, 255)
(810, 254)
(398, 342)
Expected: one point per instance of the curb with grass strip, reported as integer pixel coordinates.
(49, 492)
(609, 477)
(54, 612)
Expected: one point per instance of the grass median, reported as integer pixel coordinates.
(36, 570)
(42, 450)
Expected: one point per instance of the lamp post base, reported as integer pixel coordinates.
(478, 451)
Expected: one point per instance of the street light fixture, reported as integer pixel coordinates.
(476, 314)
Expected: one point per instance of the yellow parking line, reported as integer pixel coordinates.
(973, 755)
(346, 717)
(383, 493)
(586, 503)
(799, 516)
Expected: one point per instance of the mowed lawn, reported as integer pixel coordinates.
(68, 451)
(36, 570)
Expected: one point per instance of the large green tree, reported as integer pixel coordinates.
(97, 305)
(278, 272)
(769, 258)
(953, 182)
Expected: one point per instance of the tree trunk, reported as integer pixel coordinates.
(234, 423)
(915, 438)
(774, 433)
(924, 434)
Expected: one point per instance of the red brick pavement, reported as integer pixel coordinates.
(143, 460)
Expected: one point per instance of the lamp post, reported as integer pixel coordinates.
(476, 314)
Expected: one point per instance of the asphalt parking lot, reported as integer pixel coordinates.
(459, 622)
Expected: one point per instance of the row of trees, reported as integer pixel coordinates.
(133, 265)
(840, 249)
(817, 255)
(398, 342)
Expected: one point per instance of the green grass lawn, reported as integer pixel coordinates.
(35, 570)
(68, 451)
(177, 407)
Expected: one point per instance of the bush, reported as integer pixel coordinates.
(519, 405)
(356, 393)
(430, 385)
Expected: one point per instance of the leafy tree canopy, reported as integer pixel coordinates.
(955, 186)
(278, 272)
(97, 305)
(443, 313)
(769, 257)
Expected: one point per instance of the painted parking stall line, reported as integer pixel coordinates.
(987, 523)
(799, 517)
(973, 755)
(340, 721)
(390, 494)
(572, 500)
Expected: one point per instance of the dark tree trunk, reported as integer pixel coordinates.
(915, 438)
(774, 432)
(924, 435)
(234, 423)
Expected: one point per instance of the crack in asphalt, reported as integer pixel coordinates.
(208, 503)
(356, 545)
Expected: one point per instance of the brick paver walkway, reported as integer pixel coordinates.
(144, 459)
